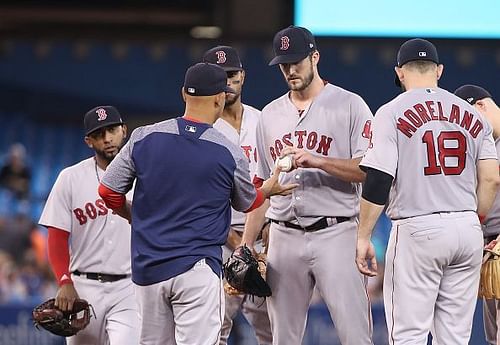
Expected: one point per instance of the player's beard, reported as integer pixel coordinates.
(231, 99)
(305, 81)
(108, 157)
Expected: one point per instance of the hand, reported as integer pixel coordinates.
(233, 239)
(66, 296)
(271, 186)
(250, 246)
(265, 237)
(491, 245)
(365, 257)
(301, 158)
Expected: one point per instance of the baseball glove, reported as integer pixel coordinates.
(489, 286)
(245, 275)
(63, 323)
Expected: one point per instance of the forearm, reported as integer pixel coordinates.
(368, 216)
(486, 193)
(233, 239)
(254, 223)
(487, 185)
(345, 169)
(125, 211)
(116, 201)
(58, 254)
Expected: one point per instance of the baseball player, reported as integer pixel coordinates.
(436, 155)
(313, 231)
(483, 102)
(188, 177)
(238, 123)
(89, 245)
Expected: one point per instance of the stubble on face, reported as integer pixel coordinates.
(108, 152)
(107, 156)
(235, 82)
(296, 82)
(231, 99)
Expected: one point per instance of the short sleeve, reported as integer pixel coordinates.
(361, 120)
(57, 211)
(263, 170)
(488, 149)
(120, 174)
(244, 193)
(382, 152)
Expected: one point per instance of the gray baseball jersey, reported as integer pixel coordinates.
(247, 140)
(429, 140)
(336, 124)
(339, 128)
(492, 223)
(255, 311)
(100, 240)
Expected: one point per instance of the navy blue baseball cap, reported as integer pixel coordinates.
(472, 93)
(292, 45)
(101, 116)
(224, 56)
(205, 79)
(416, 49)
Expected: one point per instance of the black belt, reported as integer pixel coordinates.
(320, 224)
(102, 277)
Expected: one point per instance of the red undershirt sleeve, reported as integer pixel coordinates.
(257, 182)
(259, 200)
(58, 252)
(112, 199)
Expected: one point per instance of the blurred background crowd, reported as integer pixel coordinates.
(60, 58)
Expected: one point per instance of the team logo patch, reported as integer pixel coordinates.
(367, 129)
(367, 132)
(221, 56)
(101, 114)
(285, 43)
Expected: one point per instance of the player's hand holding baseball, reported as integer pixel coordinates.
(66, 296)
(271, 186)
(301, 158)
(365, 257)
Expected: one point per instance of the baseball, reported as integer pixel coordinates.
(285, 163)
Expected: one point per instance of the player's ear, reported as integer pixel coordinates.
(315, 57)
(88, 141)
(183, 93)
(220, 99)
(242, 77)
(399, 73)
(480, 105)
(125, 130)
(439, 70)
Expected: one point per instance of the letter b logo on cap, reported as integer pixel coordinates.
(101, 114)
(221, 56)
(285, 43)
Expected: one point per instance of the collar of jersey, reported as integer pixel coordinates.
(192, 119)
